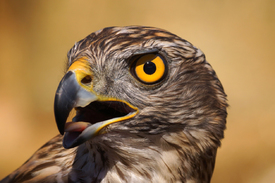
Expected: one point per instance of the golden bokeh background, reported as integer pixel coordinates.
(237, 36)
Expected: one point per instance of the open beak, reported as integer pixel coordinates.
(93, 111)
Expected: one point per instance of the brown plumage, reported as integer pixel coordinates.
(166, 129)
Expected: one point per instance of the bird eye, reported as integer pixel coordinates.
(149, 68)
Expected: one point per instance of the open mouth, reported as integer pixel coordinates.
(93, 111)
(90, 120)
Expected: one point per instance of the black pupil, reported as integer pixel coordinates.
(149, 68)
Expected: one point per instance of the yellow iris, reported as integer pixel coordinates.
(150, 68)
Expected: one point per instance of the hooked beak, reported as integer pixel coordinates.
(93, 111)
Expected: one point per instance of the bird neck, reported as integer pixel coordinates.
(136, 159)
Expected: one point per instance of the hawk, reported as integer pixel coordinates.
(148, 108)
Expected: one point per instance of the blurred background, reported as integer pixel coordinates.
(237, 36)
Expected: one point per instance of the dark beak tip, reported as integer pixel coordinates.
(64, 101)
(59, 115)
(61, 131)
(60, 122)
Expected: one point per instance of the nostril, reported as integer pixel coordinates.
(86, 80)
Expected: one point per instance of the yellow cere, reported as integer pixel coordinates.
(81, 68)
(149, 77)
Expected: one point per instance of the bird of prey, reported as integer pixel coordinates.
(148, 108)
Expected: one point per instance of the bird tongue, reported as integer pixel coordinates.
(73, 133)
(76, 126)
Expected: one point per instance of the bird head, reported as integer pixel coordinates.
(140, 81)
